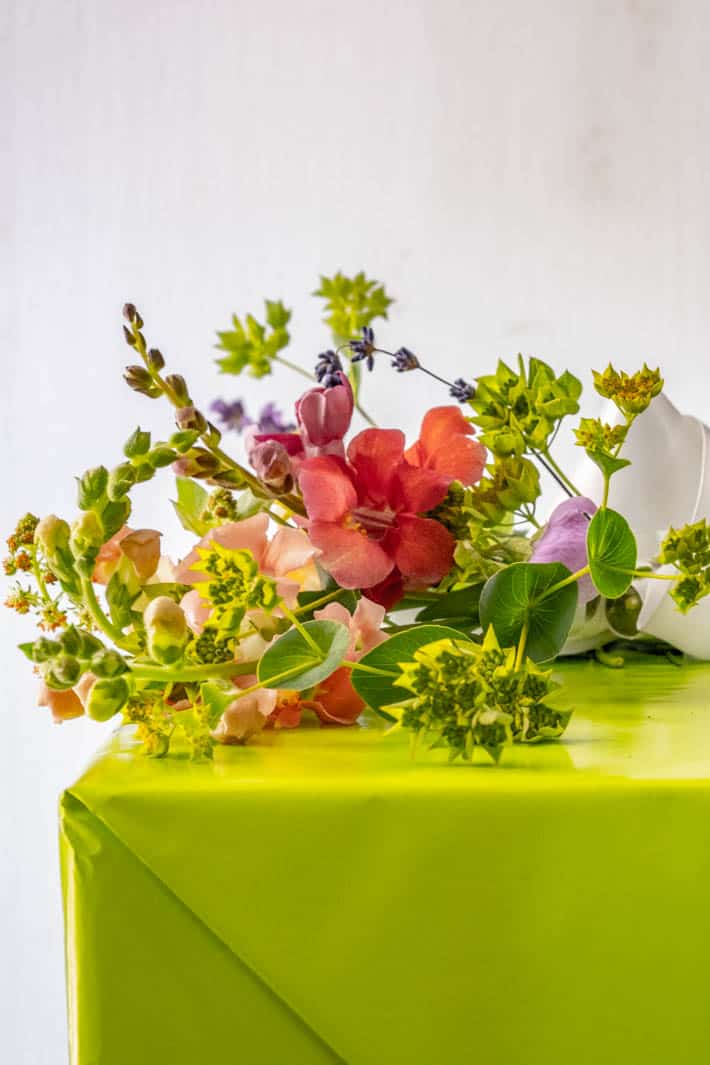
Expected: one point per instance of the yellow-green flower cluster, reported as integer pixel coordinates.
(519, 411)
(234, 585)
(466, 695)
(632, 393)
(595, 435)
(688, 549)
(252, 345)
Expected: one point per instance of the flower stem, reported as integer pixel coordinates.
(561, 473)
(311, 377)
(318, 602)
(563, 584)
(183, 674)
(520, 653)
(99, 617)
(305, 634)
(368, 669)
(39, 578)
(648, 574)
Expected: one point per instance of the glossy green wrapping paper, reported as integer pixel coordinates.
(321, 898)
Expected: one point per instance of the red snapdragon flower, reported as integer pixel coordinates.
(365, 512)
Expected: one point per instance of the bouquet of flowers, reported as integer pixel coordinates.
(335, 572)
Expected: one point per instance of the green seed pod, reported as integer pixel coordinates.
(183, 441)
(161, 456)
(138, 444)
(62, 672)
(107, 697)
(166, 629)
(144, 472)
(92, 487)
(120, 481)
(107, 663)
(114, 516)
(87, 536)
(88, 645)
(42, 650)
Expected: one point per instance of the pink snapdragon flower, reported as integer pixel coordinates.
(287, 558)
(140, 546)
(323, 416)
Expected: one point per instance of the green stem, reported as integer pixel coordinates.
(520, 653)
(562, 584)
(605, 497)
(294, 366)
(368, 669)
(183, 674)
(39, 578)
(648, 574)
(318, 602)
(302, 630)
(271, 682)
(99, 617)
(560, 472)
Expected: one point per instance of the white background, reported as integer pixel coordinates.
(524, 175)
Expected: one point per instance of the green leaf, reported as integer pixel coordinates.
(217, 696)
(378, 690)
(291, 663)
(608, 464)
(190, 503)
(513, 598)
(459, 608)
(611, 549)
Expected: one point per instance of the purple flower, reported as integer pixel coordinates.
(231, 415)
(271, 420)
(364, 348)
(565, 540)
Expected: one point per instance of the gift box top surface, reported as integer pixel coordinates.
(320, 898)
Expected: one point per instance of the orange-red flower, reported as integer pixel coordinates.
(365, 512)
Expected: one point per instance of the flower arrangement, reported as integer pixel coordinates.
(329, 577)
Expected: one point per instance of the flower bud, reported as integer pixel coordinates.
(52, 535)
(107, 663)
(88, 645)
(131, 315)
(212, 435)
(189, 418)
(161, 456)
(92, 486)
(138, 444)
(107, 697)
(144, 472)
(183, 440)
(272, 465)
(155, 359)
(120, 481)
(198, 464)
(138, 378)
(70, 640)
(41, 650)
(86, 538)
(178, 386)
(129, 337)
(166, 629)
(61, 672)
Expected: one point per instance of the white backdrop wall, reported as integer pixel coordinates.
(524, 175)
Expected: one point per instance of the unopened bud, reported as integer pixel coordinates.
(138, 378)
(138, 442)
(42, 650)
(120, 481)
(107, 663)
(211, 435)
(272, 464)
(166, 629)
(183, 440)
(131, 315)
(52, 535)
(129, 337)
(107, 696)
(178, 387)
(92, 486)
(189, 418)
(155, 359)
(86, 538)
(62, 672)
(198, 464)
(70, 640)
(161, 456)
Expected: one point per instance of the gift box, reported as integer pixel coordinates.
(321, 897)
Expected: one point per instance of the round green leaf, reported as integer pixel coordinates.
(516, 596)
(292, 663)
(377, 689)
(611, 549)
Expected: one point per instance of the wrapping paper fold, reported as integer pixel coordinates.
(323, 899)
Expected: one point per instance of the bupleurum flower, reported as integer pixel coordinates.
(632, 393)
(688, 549)
(595, 435)
(233, 585)
(466, 695)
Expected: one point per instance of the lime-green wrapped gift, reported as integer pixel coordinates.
(321, 898)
